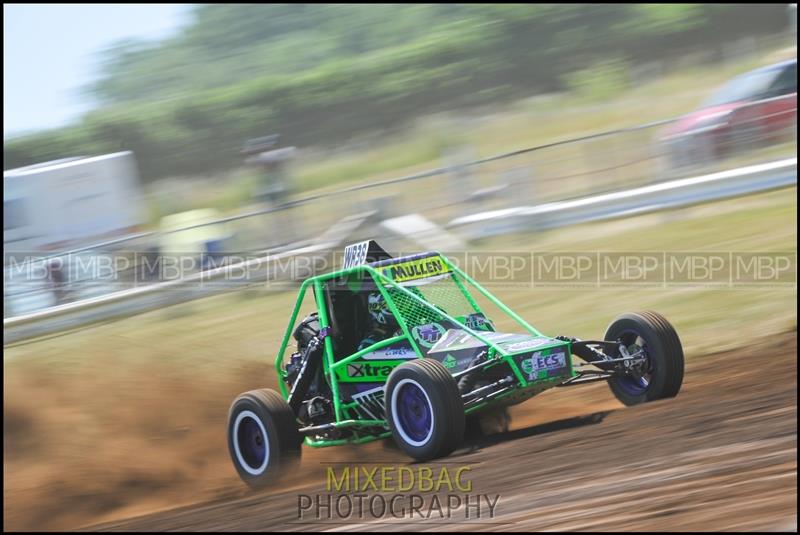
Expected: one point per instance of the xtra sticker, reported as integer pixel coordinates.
(361, 371)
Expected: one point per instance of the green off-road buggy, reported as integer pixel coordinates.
(412, 348)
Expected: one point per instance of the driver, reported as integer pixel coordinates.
(383, 324)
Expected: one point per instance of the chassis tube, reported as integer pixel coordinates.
(323, 324)
(285, 341)
(373, 347)
(492, 298)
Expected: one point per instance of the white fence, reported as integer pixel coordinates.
(678, 192)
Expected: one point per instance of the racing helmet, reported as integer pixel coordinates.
(379, 309)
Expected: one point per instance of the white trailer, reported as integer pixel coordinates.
(60, 206)
(66, 204)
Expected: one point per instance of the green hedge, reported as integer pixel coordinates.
(491, 52)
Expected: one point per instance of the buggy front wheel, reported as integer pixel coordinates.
(424, 409)
(661, 374)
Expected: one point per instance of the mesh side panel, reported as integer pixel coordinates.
(442, 294)
(445, 294)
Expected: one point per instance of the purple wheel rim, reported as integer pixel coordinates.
(251, 442)
(635, 386)
(414, 412)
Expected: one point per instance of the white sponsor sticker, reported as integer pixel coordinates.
(537, 362)
(391, 353)
(526, 344)
(355, 254)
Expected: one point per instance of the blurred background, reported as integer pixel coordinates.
(281, 120)
(146, 145)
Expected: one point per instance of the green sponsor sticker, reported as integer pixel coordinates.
(362, 371)
(541, 363)
(449, 361)
(427, 335)
(527, 366)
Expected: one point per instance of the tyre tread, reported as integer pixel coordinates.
(454, 406)
(670, 345)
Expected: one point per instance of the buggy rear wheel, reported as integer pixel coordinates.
(661, 375)
(262, 436)
(424, 409)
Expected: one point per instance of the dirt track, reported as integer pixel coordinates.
(720, 456)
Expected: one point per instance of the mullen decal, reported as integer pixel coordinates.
(416, 269)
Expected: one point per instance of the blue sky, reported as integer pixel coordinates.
(49, 53)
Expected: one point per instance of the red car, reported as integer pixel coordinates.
(753, 109)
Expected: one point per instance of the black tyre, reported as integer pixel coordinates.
(263, 439)
(424, 409)
(662, 375)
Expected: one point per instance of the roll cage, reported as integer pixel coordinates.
(419, 290)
